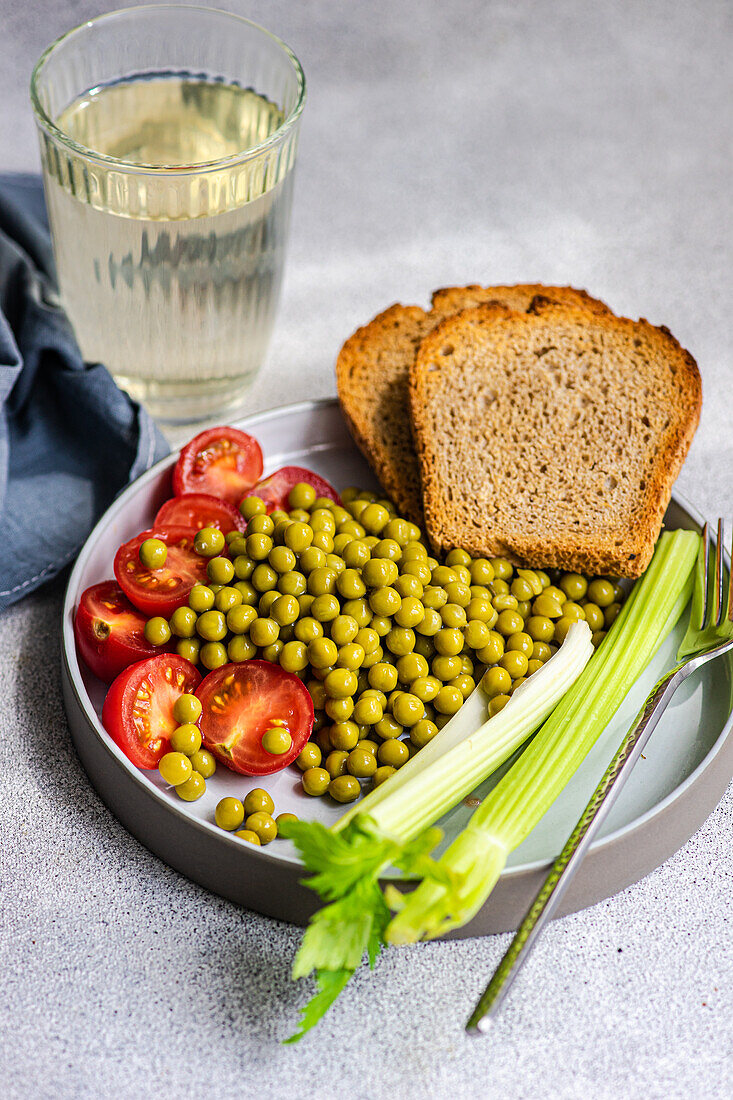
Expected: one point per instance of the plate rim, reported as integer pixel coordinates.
(71, 663)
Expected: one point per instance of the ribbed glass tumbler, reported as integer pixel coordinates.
(168, 140)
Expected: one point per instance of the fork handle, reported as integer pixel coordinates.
(567, 863)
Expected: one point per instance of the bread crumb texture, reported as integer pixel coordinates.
(552, 436)
(373, 367)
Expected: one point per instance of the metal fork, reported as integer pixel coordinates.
(709, 635)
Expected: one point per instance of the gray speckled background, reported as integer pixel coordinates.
(495, 141)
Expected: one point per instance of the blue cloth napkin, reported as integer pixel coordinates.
(70, 440)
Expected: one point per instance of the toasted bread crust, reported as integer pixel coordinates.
(603, 524)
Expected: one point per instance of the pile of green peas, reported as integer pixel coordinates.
(253, 819)
(187, 766)
(389, 640)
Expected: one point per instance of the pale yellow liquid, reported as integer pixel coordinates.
(171, 279)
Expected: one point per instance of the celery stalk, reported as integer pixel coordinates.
(347, 861)
(457, 886)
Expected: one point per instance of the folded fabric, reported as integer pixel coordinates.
(70, 440)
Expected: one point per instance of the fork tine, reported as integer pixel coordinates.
(705, 575)
(719, 573)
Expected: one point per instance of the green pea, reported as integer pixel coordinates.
(497, 704)
(277, 741)
(252, 506)
(425, 687)
(244, 567)
(220, 570)
(387, 727)
(248, 835)
(446, 668)
(367, 712)
(302, 495)
(515, 663)
(422, 733)
(187, 709)
(200, 598)
(430, 625)
(264, 578)
(610, 614)
(482, 571)
(315, 781)
(157, 631)
(264, 632)
(465, 684)
(209, 542)
(339, 710)
(188, 648)
(322, 653)
(294, 656)
(541, 652)
(411, 667)
(408, 709)
(310, 756)
(359, 610)
(380, 572)
(204, 763)
(340, 682)
(344, 629)
(344, 735)
(593, 616)
(241, 649)
(574, 585)
(307, 629)
(400, 640)
(351, 656)
(520, 643)
(325, 608)
(540, 628)
(411, 612)
(407, 585)
(213, 655)
(562, 628)
(240, 618)
(356, 554)
(321, 581)
(211, 626)
(509, 622)
(153, 553)
(449, 642)
(192, 789)
(186, 738)
(382, 774)
(344, 788)
(449, 700)
(175, 768)
(393, 753)
(361, 763)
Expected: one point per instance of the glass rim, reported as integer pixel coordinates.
(254, 151)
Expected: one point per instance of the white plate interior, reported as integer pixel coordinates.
(315, 436)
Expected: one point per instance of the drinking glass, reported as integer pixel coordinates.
(168, 139)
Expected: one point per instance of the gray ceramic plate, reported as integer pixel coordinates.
(671, 792)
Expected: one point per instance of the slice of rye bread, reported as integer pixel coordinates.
(551, 437)
(372, 375)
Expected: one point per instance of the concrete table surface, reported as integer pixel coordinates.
(442, 143)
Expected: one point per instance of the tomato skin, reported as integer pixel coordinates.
(258, 695)
(109, 631)
(223, 462)
(145, 692)
(275, 488)
(160, 591)
(199, 510)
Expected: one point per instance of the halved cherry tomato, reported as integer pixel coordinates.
(109, 631)
(160, 591)
(199, 510)
(241, 702)
(275, 488)
(221, 461)
(138, 710)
